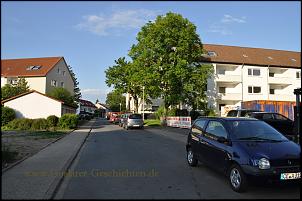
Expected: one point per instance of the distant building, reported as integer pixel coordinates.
(87, 107)
(246, 74)
(42, 74)
(103, 109)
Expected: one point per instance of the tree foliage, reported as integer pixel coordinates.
(166, 60)
(114, 99)
(171, 50)
(64, 95)
(77, 91)
(8, 90)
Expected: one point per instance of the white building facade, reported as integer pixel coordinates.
(232, 84)
(246, 74)
(35, 105)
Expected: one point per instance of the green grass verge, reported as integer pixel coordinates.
(48, 134)
(152, 122)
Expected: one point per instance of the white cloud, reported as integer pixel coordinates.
(230, 19)
(220, 29)
(223, 26)
(93, 94)
(125, 19)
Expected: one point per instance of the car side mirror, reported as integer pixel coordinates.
(222, 139)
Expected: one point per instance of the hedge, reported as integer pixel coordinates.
(69, 121)
(52, 120)
(39, 124)
(7, 115)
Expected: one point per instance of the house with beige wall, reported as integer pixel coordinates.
(42, 74)
(34, 104)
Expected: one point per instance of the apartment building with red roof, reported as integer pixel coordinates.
(42, 74)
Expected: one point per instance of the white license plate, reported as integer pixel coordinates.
(286, 176)
(135, 125)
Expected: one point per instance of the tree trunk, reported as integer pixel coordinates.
(135, 98)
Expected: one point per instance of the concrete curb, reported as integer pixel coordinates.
(54, 187)
(30, 155)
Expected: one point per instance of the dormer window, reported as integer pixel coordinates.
(33, 67)
(212, 54)
(294, 60)
(244, 55)
(271, 58)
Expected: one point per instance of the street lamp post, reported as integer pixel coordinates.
(120, 107)
(143, 103)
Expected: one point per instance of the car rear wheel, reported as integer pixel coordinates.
(191, 159)
(237, 179)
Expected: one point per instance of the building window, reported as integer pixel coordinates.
(298, 75)
(212, 53)
(58, 71)
(254, 90)
(62, 84)
(63, 73)
(221, 89)
(13, 82)
(254, 72)
(272, 91)
(272, 74)
(221, 71)
(33, 67)
(54, 83)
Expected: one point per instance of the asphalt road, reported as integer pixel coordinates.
(149, 164)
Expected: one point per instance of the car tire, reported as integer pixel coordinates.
(237, 179)
(191, 159)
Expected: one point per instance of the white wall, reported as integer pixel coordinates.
(34, 106)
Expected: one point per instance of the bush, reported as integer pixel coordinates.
(194, 115)
(69, 121)
(7, 115)
(52, 120)
(160, 112)
(39, 124)
(183, 112)
(210, 112)
(20, 124)
(172, 112)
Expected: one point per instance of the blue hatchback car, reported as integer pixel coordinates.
(243, 149)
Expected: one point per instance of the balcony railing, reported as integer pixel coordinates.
(228, 78)
(281, 97)
(279, 80)
(229, 96)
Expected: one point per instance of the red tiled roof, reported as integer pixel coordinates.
(87, 103)
(18, 67)
(253, 56)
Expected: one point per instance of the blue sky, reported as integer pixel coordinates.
(91, 35)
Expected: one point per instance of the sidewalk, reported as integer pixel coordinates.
(37, 176)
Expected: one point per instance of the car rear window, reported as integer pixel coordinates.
(135, 116)
(232, 113)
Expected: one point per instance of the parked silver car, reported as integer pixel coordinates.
(133, 121)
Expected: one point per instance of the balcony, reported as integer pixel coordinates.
(281, 97)
(279, 80)
(228, 78)
(229, 96)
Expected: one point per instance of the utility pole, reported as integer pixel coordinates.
(143, 103)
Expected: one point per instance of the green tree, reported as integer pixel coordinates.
(168, 51)
(8, 90)
(114, 99)
(77, 91)
(125, 77)
(64, 95)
